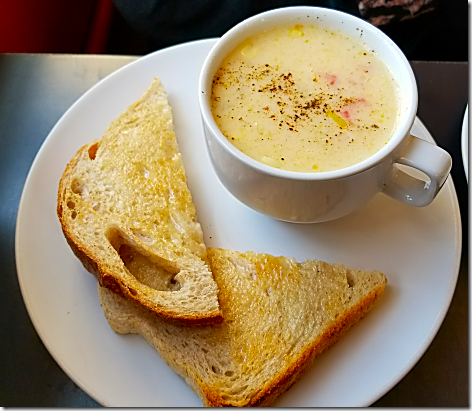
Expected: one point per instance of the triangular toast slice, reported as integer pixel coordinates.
(127, 214)
(278, 316)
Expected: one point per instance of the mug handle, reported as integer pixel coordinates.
(424, 156)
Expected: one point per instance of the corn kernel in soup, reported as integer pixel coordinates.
(305, 98)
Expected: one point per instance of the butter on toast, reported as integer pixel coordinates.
(278, 316)
(127, 214)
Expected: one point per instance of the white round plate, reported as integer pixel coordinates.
(417, 248)
(465, 142)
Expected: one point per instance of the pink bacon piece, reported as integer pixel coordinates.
(330, 78)
(347, 110)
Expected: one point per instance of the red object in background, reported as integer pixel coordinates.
(54, 26)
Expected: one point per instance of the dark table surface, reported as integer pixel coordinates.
(35, 90)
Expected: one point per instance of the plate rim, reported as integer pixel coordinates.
(465, 142)
(83, 385)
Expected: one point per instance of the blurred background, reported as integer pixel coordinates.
(424, 29)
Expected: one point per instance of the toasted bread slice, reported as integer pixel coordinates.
(127, 214)
(278, 316)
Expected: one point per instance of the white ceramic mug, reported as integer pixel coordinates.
(316, 197)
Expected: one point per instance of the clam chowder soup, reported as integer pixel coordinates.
(305, 98)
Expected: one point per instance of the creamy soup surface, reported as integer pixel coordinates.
(305, 98)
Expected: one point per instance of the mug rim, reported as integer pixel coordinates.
(206, 78)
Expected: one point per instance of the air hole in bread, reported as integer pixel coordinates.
(204, 350)
(229, 373)
(350, 279)
(149, 270)
(73, 215)
(71, 205)
(92, 151)
(77, 186)
(216, 370)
